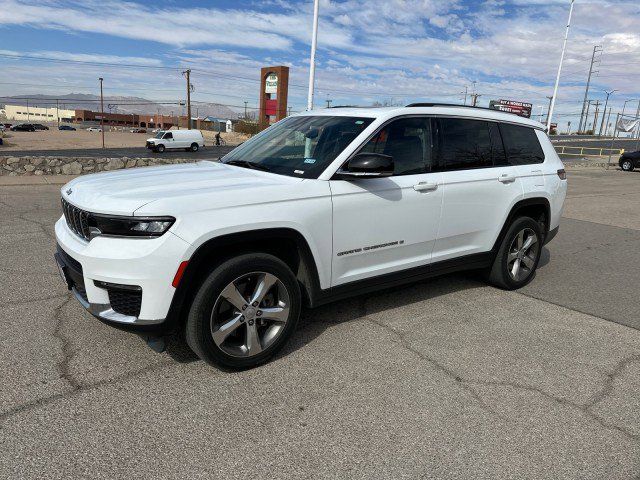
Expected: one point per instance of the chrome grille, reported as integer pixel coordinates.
(78, 220)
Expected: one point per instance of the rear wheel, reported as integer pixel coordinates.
(518, 255)
(194, 147)
(626, 165)
(244, 312)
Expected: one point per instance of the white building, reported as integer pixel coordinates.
(27, 113)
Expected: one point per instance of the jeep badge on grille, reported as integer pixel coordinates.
(69, 191)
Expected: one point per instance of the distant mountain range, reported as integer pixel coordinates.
(119, 104)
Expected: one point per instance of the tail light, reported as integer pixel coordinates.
(562, 174)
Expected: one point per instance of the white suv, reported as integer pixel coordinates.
(320, 206)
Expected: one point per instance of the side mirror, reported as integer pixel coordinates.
(367, 165)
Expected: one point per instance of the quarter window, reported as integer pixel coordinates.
(521, 144)
(408, 141)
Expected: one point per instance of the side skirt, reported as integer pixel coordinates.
(411, 275)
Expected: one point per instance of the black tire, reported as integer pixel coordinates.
(626, 165)
(500, 273)
(198, 329)
(160, 148)
(194, 147)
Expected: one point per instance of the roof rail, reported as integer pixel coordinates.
(457, 105)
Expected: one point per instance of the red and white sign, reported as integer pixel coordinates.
(511, 106)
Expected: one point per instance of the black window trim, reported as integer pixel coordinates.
(435, 140)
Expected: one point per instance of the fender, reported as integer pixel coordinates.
(285, 243)
(519, 207)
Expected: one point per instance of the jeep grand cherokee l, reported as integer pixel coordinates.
(319, 206)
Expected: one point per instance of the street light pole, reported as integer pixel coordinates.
(604, 111)
(555, 88)
(101, 112)
(312, 60)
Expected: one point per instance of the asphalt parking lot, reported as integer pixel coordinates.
(445, 379)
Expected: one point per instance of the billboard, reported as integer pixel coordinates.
(511, 106)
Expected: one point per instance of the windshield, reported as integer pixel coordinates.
(159, 134)
(299, 146)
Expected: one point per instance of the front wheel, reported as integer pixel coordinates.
(517, 258)
(626, 165)
(160, 148)
(244, 312)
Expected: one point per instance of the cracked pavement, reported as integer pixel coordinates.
(444, 379)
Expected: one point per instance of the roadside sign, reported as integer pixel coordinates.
(522, 109)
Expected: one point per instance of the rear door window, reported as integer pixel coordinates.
(521, 145)
(464, 144)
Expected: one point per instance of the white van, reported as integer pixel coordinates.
(173, 139)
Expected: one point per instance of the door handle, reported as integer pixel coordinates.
(425, 187)
(506, 178)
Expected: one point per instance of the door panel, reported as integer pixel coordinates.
(479, 187)
(475, 204)
(383, 225)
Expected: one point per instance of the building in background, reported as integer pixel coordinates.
(28, 113)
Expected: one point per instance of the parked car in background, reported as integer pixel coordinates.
(94, 129)
(629, 160)
(67, 127)
(176, 139)
(7, 125)
(138, 130)
(39, 126)
(2, 128)
(23, 127)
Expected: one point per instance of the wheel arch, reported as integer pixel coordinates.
(537, 208)
(287, 244)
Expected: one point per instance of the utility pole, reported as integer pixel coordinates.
(245, 110)
(606, 129)
(604, 111)
(57, 113)
(101, 112)
(583, 117)
(312, 60)
(466, 92)
(595, 116)
(586, 115)
(187, 73)
(555, 88)
(328, 103)
(474, 99)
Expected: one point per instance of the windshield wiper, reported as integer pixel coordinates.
(248, 164)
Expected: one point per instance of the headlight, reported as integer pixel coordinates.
(129, 226)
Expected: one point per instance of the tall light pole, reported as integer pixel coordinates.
(312, 60)
(555, 88)
(101, 112)
(604, 112)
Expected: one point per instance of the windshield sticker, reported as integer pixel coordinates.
(359, 122)
(309, 160)
(299, 172)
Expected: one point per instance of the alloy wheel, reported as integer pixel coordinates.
(250, 314)
(522, 254)
(626, 165)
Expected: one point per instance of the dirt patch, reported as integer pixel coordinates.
(55, 139)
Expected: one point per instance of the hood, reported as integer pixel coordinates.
(122, 192)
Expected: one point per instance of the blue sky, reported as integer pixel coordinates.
(394, 51)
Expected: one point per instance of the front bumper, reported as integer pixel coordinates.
(122, 281)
